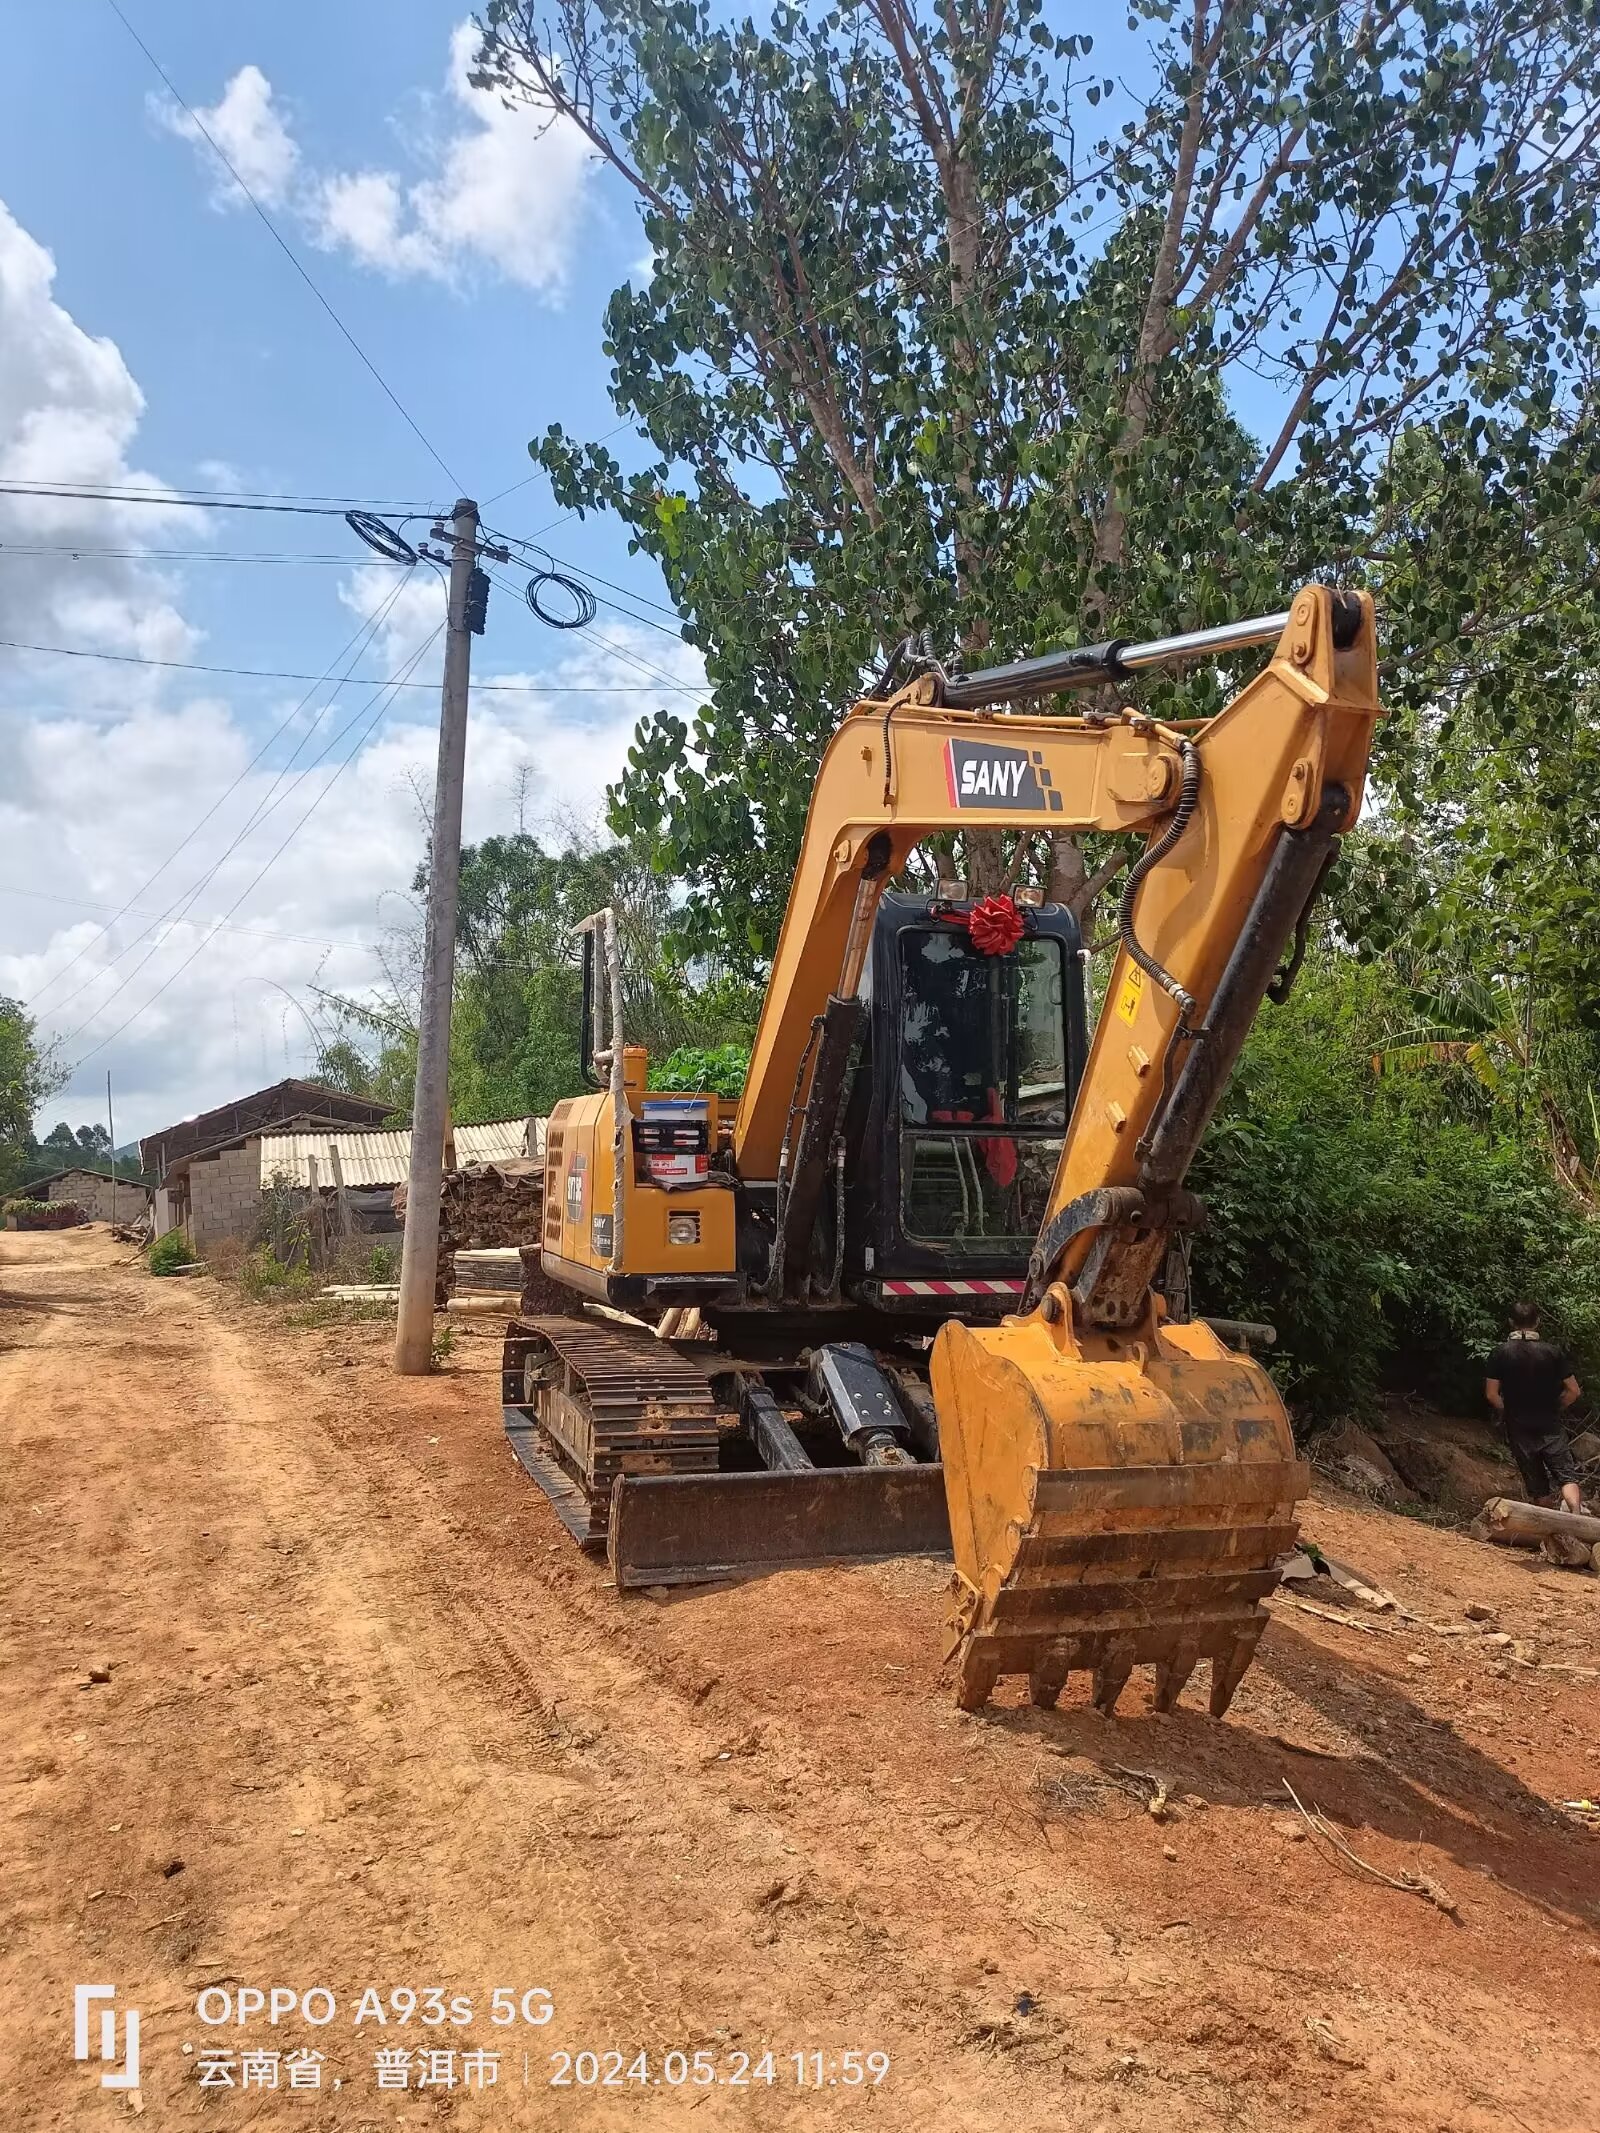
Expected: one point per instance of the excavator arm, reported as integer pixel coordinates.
(1118, 1482)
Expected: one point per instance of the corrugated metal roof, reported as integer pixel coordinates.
(277, 1106)
(369, 1159)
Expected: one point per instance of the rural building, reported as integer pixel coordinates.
(493, 1185)
(208, 1168)
(366, 1161)
(92, 1191)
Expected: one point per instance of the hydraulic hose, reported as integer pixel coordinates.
(1183, 814)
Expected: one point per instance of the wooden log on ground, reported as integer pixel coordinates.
(483, 1304)
(1526, 1524)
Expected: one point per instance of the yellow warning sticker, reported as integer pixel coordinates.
(1130, 993)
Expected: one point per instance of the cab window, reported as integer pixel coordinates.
(983, 1086)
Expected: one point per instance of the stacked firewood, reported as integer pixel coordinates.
(482, 1206)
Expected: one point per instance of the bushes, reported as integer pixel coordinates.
(168, 1253)
(1382, 1224)
(718, 1067)
(44, 1214)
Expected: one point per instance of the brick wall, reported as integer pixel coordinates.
(225, 1195)
(93, 1194)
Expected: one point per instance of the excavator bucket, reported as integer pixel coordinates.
(1115, 1501)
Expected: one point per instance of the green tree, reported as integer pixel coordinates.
(342, 1064)
(515, 1037)
(1487, 544)
(1377, 1220)
(931, 342)
(29, 1072)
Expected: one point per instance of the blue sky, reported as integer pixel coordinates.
(235, 358)
(151, 331)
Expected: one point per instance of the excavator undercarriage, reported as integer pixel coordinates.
(926, 1289)
(683, 1465)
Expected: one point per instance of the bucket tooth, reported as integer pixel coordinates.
(976, 1677)
(1111, 1674)
(1172, 1674)
(1229, 1668)
(1047, 1677)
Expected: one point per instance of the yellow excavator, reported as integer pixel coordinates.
(924, 1287)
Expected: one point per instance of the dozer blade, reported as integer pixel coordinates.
(681, 1529)
(1113, 1504)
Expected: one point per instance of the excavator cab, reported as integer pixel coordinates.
(968, 1066)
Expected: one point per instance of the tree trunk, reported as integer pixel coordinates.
(1068, 873)
(983, 858)
(1505, 1519)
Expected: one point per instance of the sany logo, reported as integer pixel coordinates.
(986, 774)
(997, 779)
(83, 1998)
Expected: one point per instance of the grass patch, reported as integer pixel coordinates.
(170, 1252)
(265, 1278)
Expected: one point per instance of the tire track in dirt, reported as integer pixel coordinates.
(671, 1742)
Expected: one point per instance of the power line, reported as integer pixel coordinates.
(140, 492)
(355, 645)
(528, 542)
(617, 651)
(78, 553)
(260, 933)
(75, 552)
(254, 884)
(176, 501)
(193, 666)
(384, 694)
(287, 250)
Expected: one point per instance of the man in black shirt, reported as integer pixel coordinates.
(1530, 1385)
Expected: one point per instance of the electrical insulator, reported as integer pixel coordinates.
(475, 612)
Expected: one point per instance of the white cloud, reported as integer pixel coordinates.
(69, 411)
(246, 126)
(410, 603)
(509, 189)
(364, 212)
(91, 813)
(495, 188)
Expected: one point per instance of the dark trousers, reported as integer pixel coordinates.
(1544, 1459)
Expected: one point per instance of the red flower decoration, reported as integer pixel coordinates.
(994, 925)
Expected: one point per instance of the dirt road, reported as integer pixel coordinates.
(371, 1726)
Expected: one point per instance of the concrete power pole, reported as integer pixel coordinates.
(111, 1128)
(413, 1340)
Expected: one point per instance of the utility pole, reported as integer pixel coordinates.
(111, 1128)
(413, 1340)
